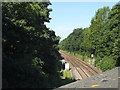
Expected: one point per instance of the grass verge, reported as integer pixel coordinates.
(66, 74)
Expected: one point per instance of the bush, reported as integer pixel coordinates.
(107, 63)
(98, 61)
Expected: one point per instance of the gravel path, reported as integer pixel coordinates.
(108, 79)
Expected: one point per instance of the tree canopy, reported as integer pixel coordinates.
(30, 51)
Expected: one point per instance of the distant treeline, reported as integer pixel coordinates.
(29, 48)
(101, 38)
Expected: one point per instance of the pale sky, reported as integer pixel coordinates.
(66, 16)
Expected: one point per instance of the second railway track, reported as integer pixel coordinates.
(83, 69)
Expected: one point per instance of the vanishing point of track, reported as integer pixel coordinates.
(83, 69)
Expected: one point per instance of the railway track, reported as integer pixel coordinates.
(81, 68)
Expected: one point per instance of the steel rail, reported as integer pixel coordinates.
(84, 70)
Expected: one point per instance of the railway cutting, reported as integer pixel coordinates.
(79, 68)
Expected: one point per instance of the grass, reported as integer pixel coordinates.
(66, 74)
(65, 77)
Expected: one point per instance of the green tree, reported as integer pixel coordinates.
(30, 51)
(113, 32)
(97, 30)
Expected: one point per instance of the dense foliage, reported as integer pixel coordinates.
(101, 38)
(30, 52)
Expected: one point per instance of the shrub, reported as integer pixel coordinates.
(98, 61)
(107, 63)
